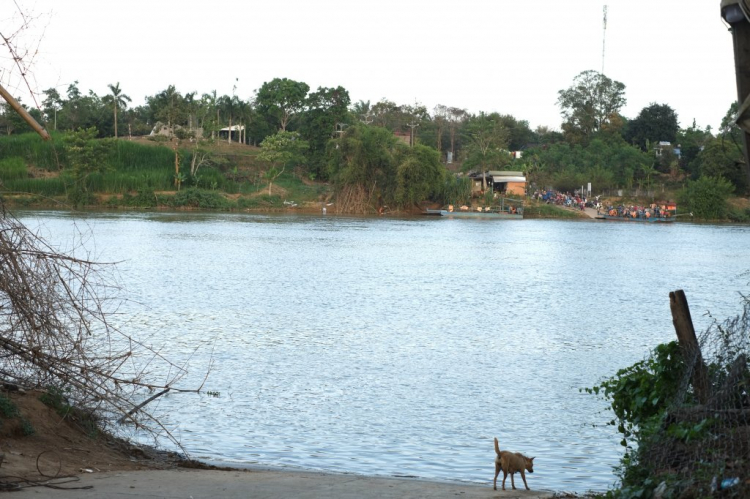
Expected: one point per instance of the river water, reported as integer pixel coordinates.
(401, 347)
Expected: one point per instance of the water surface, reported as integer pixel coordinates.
(403, 346)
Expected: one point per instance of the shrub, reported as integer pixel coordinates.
(7, 408)
(706, 198)
(198, 198)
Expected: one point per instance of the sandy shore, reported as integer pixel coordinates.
(189, 483)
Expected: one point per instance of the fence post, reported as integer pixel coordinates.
(691, 350)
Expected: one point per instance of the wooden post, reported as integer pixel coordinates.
(691, 350)
(24, 114)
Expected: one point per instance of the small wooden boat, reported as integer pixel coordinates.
(637, 219)
(647, 216)
(476, 214)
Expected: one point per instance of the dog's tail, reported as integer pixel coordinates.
(497, 447)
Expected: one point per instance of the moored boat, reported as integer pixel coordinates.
(477, 214)
(636, 219)
(508, 208)
(654, 214)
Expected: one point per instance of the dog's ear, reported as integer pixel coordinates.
(531, 459)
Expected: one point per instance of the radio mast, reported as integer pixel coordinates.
(604, 37)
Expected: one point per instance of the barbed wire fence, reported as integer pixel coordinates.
(703, 441)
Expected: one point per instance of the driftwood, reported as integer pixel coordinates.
(691, 351)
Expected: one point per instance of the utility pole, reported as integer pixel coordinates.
(412, 125)
(604, 37)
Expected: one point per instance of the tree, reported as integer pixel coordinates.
(168, 106)
(440, 118)
(12, 122)
(362, 166)
(488, 143)
(692, 140)
(209, 113)
(52, 103)
(706, 197)
(655, 123)
(85, 157)
(327, 112)
(722, 158)
(83, 111)
(229, 106)
(419, 175)
(590, 104)
(117, 100)
(456, 117)
(280, 151)
(519, 133)
(281, 99)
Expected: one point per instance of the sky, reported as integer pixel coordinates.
(505, 56)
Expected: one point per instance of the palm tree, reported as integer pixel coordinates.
(117, 99)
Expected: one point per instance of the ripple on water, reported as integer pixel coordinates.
(402, 347)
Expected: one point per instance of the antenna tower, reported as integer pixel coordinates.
(604, 37)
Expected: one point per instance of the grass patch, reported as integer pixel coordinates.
(126, 155)
(7, 408)
(9, 411)
(55, 398)
(13, 169)
(33, 150)
(47, 187)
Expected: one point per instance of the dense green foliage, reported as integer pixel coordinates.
(605, 163)
(590, 105)
(655, 123)
(419, 175)
(706, 198)
(596, 143)
(639, 396)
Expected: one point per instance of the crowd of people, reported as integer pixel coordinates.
(563, 199)
(577, 201)
(652, 211)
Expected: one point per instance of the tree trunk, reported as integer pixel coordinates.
(440, 141)
(115, 119)
(453, 142)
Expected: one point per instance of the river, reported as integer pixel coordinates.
(401, 347)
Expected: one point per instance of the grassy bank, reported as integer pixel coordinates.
(148, 174)
(537, 209)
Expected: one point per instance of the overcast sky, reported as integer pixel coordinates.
(509, 56)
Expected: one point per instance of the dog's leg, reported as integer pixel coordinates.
(512, 480)
(505, 475)
(523, 475)
(497, 472)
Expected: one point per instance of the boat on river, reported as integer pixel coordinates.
(667, 214)
(508, 208)
(477, 214)
(636, 219)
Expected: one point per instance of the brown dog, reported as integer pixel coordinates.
(510, 463)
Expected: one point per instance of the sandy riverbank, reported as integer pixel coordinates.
(189, 483)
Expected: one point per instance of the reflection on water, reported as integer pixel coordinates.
(402, 347)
